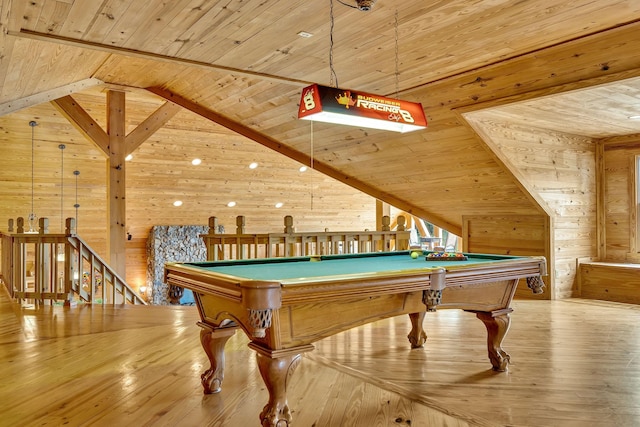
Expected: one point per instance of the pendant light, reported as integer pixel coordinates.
(32, 218)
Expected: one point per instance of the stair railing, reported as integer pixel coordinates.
(49, 268)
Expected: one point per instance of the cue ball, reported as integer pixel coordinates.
(414, 255)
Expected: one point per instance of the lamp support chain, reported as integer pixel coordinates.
(62, 147)
(397, 66)
(311, 164)
(332, 77)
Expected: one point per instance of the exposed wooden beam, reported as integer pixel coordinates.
(150, 125)
(47, 96)
(70, 109)
(301, 157)
(51, 38)
(116, 188)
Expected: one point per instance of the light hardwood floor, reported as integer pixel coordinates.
(574, 363)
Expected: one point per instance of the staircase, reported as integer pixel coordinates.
(59, 268)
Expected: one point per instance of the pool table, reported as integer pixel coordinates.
(286, 304)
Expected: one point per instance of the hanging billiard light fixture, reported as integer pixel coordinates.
(355, 108)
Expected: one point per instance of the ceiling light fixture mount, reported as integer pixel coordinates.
(365, 5)
(362, 5)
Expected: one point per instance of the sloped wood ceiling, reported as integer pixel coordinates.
(245, 60)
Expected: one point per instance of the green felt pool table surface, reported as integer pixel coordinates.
(302, 268)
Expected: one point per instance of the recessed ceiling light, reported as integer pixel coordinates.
(231, 204)
(305, 34)
(129, 157)
(177, 203)
(253, 165)
(196, 162)
(303, 169)
(279, 205)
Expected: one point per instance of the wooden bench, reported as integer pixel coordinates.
(610, 281)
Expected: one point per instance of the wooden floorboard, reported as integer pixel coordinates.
(574, 363)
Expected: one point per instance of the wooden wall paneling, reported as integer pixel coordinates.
(562, 176)
(512, 235)
(632, 189)
(487, 132)
(617, 204)
(618, 210)
(136, 250)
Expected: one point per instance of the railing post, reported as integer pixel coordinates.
(20, 229)
(386, 240)
(239, 230)
(212, 249)
(70, 226)
(67, 273)
(43, 224)
(240, 220)
(288, 224)
(404, 243)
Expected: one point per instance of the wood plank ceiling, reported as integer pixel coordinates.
(246, 61)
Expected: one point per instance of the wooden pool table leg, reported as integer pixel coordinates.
(213, 341)
(497, 324)
(417, 336)
(276, 368)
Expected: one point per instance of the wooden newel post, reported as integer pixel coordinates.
(70, 226)
(239, 230)
(402, 244)
(20, 226)
(213, 225)
(43, 224)
(10, 227)
(288, 224)
(385, 242)
(240, 220)
(68, 272)
(402, 223)
(386, 223)
(213, 252)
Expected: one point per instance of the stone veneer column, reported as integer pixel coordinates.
(171, 243)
